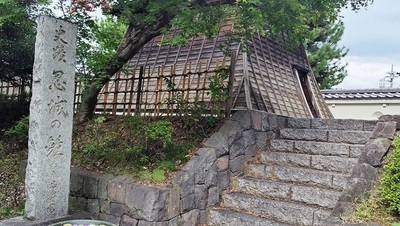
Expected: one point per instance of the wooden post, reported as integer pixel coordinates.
(126, 79)
(204, 80)
(170, 107)
(131, 91)
(76, 97)
(228, 106)
(105, 97)
(139, 90)
(173, 73)
(146, 102)
(116, 91)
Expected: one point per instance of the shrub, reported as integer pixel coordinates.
(159, 131)
(13, 108)
(19, 133)
(146, 147)
(390, 183)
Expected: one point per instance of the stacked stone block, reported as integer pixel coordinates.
(232, 180)
(299, 178)
(194, 190)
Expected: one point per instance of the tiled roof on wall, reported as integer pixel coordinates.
(361, 94)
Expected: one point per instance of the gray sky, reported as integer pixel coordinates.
(372, 36)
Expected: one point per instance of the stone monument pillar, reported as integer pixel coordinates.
(50, 120)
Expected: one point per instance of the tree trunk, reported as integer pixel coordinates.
(135, 38)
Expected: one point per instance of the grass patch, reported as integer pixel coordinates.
(12, 196)
(383, 205)
(374, 210)
(147, 148)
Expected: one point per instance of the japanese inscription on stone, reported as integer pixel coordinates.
(51, 112)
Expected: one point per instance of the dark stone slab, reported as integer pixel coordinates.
(116, 188)
(213, 196)
(128, 221)
(374, 151)
(356, 188)
(76, 182)
(90, 185)
(236, 165)
(388, 118)
(231, 129)
(93, 206)
(364, 171)
(117, 209)
(299, 123)
(147, 203)
(243, 117)
(337, 124)
(191, 218)
(237, 149)
(384, 130)
(218, 141)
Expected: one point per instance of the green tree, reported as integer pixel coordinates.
(325, 55)
(17, 38)
(148, 18)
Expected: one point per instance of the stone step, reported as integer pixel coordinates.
(224, 217)
(316, 148)
(298, 175)
(319, 162)
(336, 124)
(285, 191)
(325, 135)
(290, 213)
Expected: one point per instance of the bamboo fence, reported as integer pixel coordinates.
(163, 93)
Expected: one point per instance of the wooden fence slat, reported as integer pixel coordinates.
(115, 91)
(228, 106)
(139, 90)
(105, 97)
(131, 91)
(146, 103)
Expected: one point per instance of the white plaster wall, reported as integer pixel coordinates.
(363, 109)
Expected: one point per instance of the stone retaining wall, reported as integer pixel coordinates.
(196, 188)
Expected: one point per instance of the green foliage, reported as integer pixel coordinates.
(156, 175)
(219, 90)
(107, 35)
(12, 203)
(100, 143)
(390, 182)
(159, 131)
(371, 210)
(2, 150)
(324, 54)
(20, 131)
(12, 108)
(288, 21)
(17, 38)
(135, 144)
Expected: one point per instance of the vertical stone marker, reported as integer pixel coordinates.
(50, 120)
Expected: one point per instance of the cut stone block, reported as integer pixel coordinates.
(218, 217)
(304, 134)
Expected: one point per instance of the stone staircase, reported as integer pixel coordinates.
(298, 179)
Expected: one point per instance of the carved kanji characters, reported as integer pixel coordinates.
(57, 107)
(57, 82)
(53, 146)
